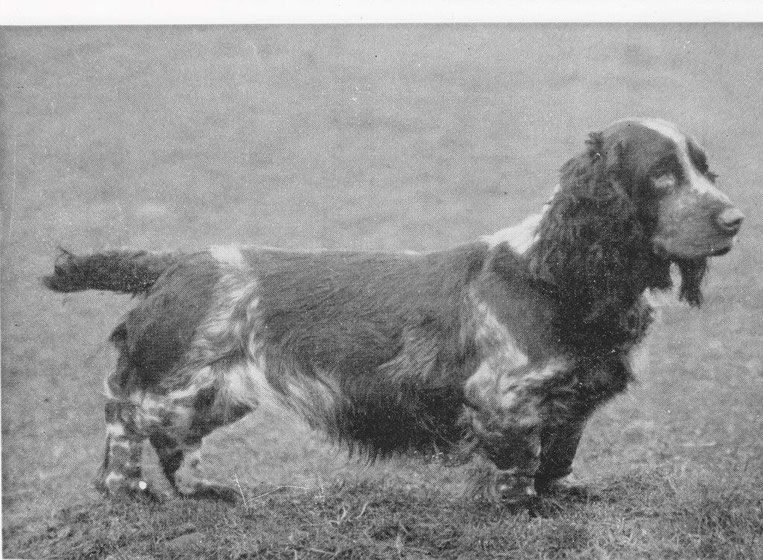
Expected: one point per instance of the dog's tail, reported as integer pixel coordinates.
(129, 272)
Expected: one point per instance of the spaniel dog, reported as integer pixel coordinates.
(502, 347)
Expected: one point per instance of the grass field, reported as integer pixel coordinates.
(365, 137)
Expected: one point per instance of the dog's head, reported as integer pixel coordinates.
(666, 174)
(638, 199)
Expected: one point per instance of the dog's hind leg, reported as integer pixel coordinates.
(178, 437)
(181, 465)
(174, 423)
(120, 473)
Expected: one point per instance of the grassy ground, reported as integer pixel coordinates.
(641, 516)
(394, 137)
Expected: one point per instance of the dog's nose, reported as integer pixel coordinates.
(730, 220)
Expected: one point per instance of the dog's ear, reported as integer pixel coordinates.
(596, 172)
(590, 236)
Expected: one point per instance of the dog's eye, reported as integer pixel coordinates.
(666, 181)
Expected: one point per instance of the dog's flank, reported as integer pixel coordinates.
(501, 348)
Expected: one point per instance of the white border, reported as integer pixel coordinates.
(162, 12)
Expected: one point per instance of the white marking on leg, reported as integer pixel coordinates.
(113, 478)
(115, 430)
(156, 410)
(179, 394)
(188, 477)
(548, 370)
(497, 382)
(502, 356)
(121, 442)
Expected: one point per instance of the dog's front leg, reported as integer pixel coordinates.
(503, 416)
(559, 446)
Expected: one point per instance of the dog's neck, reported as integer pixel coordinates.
(524, 235)
(598, 270)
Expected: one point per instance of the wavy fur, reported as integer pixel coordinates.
(594, 247)
(501, 348)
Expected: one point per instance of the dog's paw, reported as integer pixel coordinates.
(568, 488)
(137, 490)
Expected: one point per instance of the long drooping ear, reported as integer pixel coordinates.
(692, 272)
(590, 243)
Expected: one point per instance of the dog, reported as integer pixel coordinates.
(501, 348)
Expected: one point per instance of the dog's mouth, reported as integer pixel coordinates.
(720, 252)
(720, 249)
(694, 251)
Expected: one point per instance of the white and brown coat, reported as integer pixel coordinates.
(502, 347)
